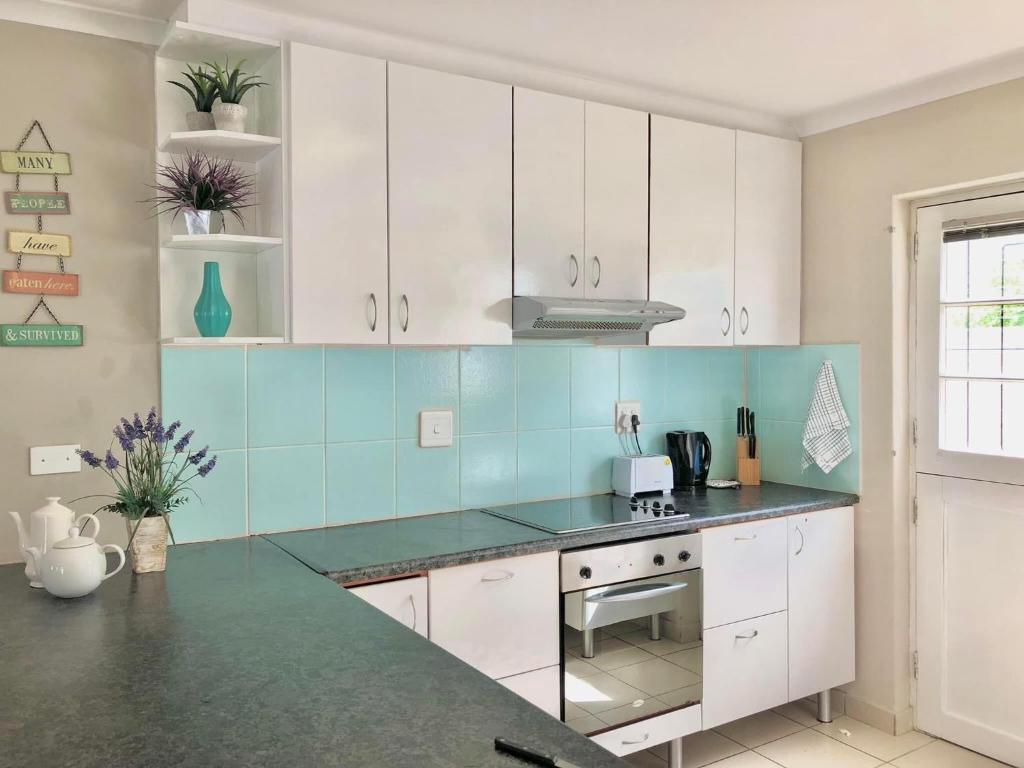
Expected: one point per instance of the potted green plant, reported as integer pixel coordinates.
(203, 189)
(203, 92)
(232, 84)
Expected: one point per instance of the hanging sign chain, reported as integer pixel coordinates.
(41, 303)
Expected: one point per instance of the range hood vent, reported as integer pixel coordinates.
(544, 317)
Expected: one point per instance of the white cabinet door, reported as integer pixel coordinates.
(744, 669)
(693, 188)
(821, 623)
(768, 203)
(500, 616)
(548, 210)
(339, 198)
(744, 570)
(541, 687)
(404, 600)
(616, 202)
(450, 202)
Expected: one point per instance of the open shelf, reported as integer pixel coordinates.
(244, 147)
(196, 43)
(223, 243)
(221, 341)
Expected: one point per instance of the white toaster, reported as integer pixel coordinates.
(641, 474)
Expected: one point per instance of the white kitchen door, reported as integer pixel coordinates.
(969, 421)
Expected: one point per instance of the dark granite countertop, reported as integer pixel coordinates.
(240, 656)
(368, 551)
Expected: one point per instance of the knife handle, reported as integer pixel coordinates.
(524, 753)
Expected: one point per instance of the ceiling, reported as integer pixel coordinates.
(797, 60)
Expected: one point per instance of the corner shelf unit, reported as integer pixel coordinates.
(253, 260)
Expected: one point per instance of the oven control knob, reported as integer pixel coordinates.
(585, 572)
(659, 559)
(684, 555)
(670, 508)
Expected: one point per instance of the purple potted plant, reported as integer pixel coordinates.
(203, 188)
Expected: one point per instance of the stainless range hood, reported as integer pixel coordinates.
(545, 317)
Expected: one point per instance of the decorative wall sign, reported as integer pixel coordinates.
(37, 335)
(38, 243)
(40, 283)
(38, 203)
(35, 162)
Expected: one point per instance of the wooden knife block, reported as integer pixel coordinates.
(748, 470)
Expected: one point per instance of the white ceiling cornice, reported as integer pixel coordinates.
(76, 17)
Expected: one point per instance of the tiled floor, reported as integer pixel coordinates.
(789, 736)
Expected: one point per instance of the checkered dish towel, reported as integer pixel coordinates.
(826, 434)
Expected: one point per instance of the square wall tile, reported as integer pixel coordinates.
(487, 383)
(360, 482)
(427, 478)
(785, 384)
(591, 452)
(488, 469)
(360, 395)
(686, 383)
(542, 387)
(286, 488)
(594, 386)
(642, 377)
(285, 396)
(217, 511)
(724, 391)
(425, 380)
(543, 466)
(205, 390)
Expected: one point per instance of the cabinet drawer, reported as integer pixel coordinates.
(541, 687)
(744, 571)
(500, 616)
(651, 732)
(404, 600)
(744, 669)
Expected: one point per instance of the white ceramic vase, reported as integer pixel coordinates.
(230, 117)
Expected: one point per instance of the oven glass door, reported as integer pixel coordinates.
(632, 650)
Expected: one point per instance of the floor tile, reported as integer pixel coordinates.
(572, 712)
(759, 729)
(663, 647)
(801, 711)
(585, 724)
(645, 759)
(882, 745)
(579, 668)
(700, 749)
(656, 676)
(605, 645)
(639, 708)
(810, 749)
(681, 696)
(746, 760)
(601, 692)
(691, 659)
(620, 658)
(942, 754)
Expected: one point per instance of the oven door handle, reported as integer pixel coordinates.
(628, 594)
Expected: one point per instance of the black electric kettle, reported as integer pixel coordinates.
(691, 458)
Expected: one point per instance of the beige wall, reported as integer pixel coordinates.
(94, 97)
(851, 176)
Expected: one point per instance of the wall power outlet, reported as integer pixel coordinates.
(624, 412)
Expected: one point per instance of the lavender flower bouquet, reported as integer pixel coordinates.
(152, 480)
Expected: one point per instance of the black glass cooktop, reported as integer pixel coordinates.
(586, 512)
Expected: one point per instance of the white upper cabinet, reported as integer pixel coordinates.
(693, 172)
(548, 210)
(450, 202)
(768, 179)
(616, 203)
(339, 197)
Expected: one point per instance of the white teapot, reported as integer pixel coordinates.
(47, 525)
(74, 566)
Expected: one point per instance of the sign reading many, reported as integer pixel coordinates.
(20, 161)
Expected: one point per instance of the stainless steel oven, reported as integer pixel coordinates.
(632, 647)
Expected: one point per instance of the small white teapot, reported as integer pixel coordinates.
(74, 566)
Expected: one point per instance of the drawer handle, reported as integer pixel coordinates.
(744, 321)
(641, 740)
(403, 317)
(727, 317)
(575, 270)
(747, 636)
(745, 538)
(412, 602)
(801, 547)
(597, 275)
(505, 576)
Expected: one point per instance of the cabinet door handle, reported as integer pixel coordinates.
(597, 275)
(744, 320)
(373, 305)
(505, 576)
(727, 317)
(747, 635)
(403, 305)
(801, 547)
(641, 740)
(412, 602)
(575, 270)
(751, 537)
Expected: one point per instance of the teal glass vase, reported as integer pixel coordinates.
(212, 312)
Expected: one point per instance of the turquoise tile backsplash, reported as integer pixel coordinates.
(309, 436)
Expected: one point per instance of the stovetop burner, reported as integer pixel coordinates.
(587, 512)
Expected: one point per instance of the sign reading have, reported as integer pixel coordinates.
(38, 243)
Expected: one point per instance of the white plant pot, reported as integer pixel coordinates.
(204, 222)
(230, 117)
(199, 121)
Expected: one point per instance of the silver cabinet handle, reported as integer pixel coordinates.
(575, 270)
(404, 305)
(641, 740)
(597, 276)
(727, 317)
(745, 538)
(801, 547)
(412, 602)
(744, 320)
(373, 304)
(505, 576)
(748, 635)
(628, 594)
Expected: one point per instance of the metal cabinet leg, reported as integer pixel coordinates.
(588, 643)
(675, 753)
(825, 706)
(655, 626)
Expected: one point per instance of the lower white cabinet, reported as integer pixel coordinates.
(744, 668)
(541, 687)
(404, 600)
(744, 570)
(500, 616)
(651, 732)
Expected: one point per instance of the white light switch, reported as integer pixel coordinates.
(435, 429)
(54, 459)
